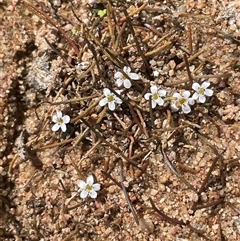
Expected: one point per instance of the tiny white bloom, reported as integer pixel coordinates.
(184, 101)
(122, 80)
(60, 121)
(88, 188)
(110, 99)
(201, 91)
(156, 96)
(93, 1)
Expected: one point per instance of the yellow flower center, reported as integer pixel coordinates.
(155, 96)
(89, 188)
(110, 98)
(60, 121)
(201, 91)
(124, 77)
(183, 101)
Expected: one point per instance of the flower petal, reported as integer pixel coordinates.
(111, 105)
(90, 180)
(103, 102)
(127, 69)
(83, 194)
(54, 119)
(56, 127)
(63, 127)
(191, 101)
(186, 94)
(93, 194)
(162, 93)
(174, 108)
(118, 100)
(127, 83)
(159, 101)
(81, 184)
(133, 76)
(186, 109)
(118, 91)
(205, 84)
(96, 186)
(208, 92)
(153, 89)
(118, 75)
(59, 114)
(147, 96)
(202, 98)
(119, 82)
(177, 95)
(195, 96)
(66, 119)
(154, 104)
(195, 86)
(106, 91)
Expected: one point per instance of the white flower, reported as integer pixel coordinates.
(93, 1)
(60, 121)
(201, 91)
(156, 96)
(122, 80)
(110, 99)
(182, 101)
(88, 188)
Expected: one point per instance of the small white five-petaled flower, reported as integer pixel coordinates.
(182, 101)
(60, 121)
(122, 80)
(201, 91)
(88, 188)
(155, 96)
(110, 99)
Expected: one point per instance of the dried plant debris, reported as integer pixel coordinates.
(19, 143)
(119, 120)
(42, 74)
